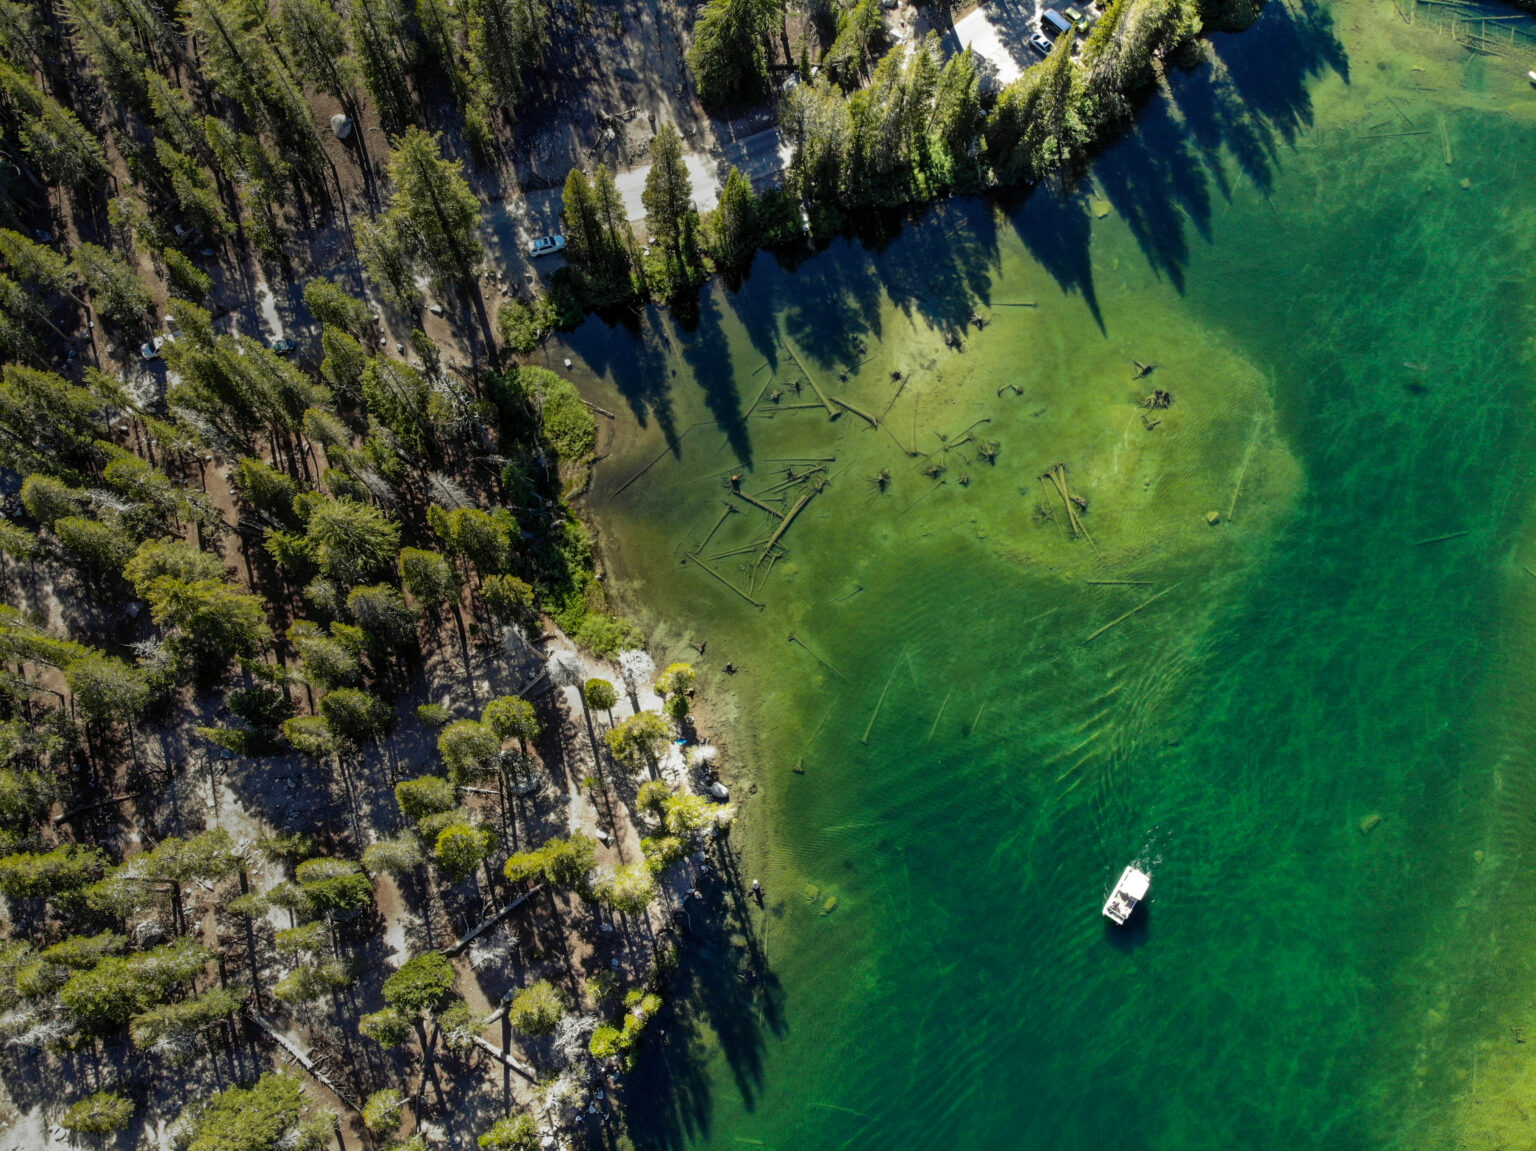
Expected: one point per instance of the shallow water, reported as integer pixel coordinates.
(1311, 720)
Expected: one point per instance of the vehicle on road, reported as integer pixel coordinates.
(546, 246)
(282, 346)
(1040, 44)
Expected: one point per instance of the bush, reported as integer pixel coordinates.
(536, 1009)
(99, 1114)
(427, 795)
(433, 714)
(524, 322)
(514, 1133)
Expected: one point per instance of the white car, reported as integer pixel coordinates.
(546, 246)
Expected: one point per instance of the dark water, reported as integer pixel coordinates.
(1313, 727)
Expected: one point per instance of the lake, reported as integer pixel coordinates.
(1269, 633)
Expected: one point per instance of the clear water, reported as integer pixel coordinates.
(1316, 728)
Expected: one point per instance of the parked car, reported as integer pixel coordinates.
(150, 349)
(282, 346)
(1040, 44)
(1054, 24)
(546, 246)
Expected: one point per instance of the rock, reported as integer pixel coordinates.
(1466, 184)
(1478, 857)
(830, 905)
(148, 933)
(719, 791)
(1213, 518)
(436, 309)
(567, 364)
(1099, 208)
(1369, 823)
(341, 124)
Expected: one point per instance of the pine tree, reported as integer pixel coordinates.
(816, 121)
(388, 262)
(116, 293)
(234, 58)
(317, 44)
(957, 106)
(506, 37)
(378, 34)
(175, 113)
(1036, 128)
(436, 214)
(50, 133)
(728, 59)
(335, 308)
(731, 232)
(114, 57)
(668, 200)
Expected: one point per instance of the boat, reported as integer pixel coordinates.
(1130, 889)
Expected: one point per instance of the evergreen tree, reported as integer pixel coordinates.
(1036, 127)
(731, 231)
(385, 256)
(378, 32)
(332, 306)
(316, 41)
(115, 58)
(668, 200)
(957, 106)
(599, 243)
(435, 213)
(50, 133)
(116, 293)
(728, 57)
(505, 38)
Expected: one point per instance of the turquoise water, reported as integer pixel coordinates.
(1314, 727)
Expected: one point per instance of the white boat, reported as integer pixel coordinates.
(1130, 889)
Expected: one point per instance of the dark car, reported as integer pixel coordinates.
(1054, 24)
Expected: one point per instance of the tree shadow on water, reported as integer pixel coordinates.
(1243, 107)
(707, 353)
(721, 999)
(1055, 227)
(630, 348)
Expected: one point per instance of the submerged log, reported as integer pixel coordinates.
(860, 412)
(832, 413)
(789, 518)
(1122, 618)
(696, 558)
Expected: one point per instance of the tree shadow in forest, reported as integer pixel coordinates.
(722, 997)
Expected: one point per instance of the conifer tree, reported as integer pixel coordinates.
(505, 38)
(385, 256)
(728, 58)
(378, 33)
(731, 232)
(435, 213)
(668, 200)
